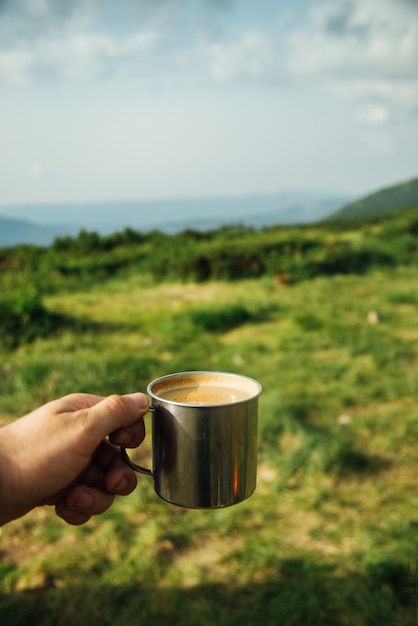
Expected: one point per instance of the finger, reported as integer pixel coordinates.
(130, 437)
(74, 402)
(120, 479)
(113, 414)
(117, 478)
(69, 515)
(86, 500)
(89, 500)
(94, 476)
(104, 455)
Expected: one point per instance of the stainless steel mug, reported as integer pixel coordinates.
(204, 438)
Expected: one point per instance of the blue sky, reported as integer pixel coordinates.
(140, 99)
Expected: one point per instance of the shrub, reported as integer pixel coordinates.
(221, 319)
(23, 317)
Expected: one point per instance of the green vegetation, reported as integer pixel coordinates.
(330, 535)
(401, 196)
(231, 253)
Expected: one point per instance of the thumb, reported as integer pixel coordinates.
(113, 413)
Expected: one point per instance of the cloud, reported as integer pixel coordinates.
(44, 39)
(85, 39)
(359, 37)
(373, 115)
(78, 56)
(38, 170)
(28, 20)
(14, 65)
(364, 48)
(252, 56)
(380, 142)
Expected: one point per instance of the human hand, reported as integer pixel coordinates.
(60, 454)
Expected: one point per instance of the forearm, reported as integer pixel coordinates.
(10, 507)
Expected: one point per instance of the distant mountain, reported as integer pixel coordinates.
(169, 216)
(401, 196)
(14, 232)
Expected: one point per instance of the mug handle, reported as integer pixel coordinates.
(137, 468)
(134, 466)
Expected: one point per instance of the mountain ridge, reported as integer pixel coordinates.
(403, 195)
(16, 231)
(40, 224)
(169, 216)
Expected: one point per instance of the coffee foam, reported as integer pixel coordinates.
(205, 388)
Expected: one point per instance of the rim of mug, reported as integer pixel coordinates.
(259, 387)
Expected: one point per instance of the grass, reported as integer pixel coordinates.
(330, 535)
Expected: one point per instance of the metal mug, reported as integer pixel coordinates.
(204, 438)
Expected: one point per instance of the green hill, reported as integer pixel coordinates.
(401, 196)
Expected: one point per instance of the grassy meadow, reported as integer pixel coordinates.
(330, 536)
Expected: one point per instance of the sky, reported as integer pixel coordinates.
(104, 100)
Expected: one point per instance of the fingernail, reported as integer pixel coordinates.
(140, 399)
(68, 513)
(123, 439)
(84, 501)
(122, 485)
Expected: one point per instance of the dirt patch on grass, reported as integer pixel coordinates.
(206, 562)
